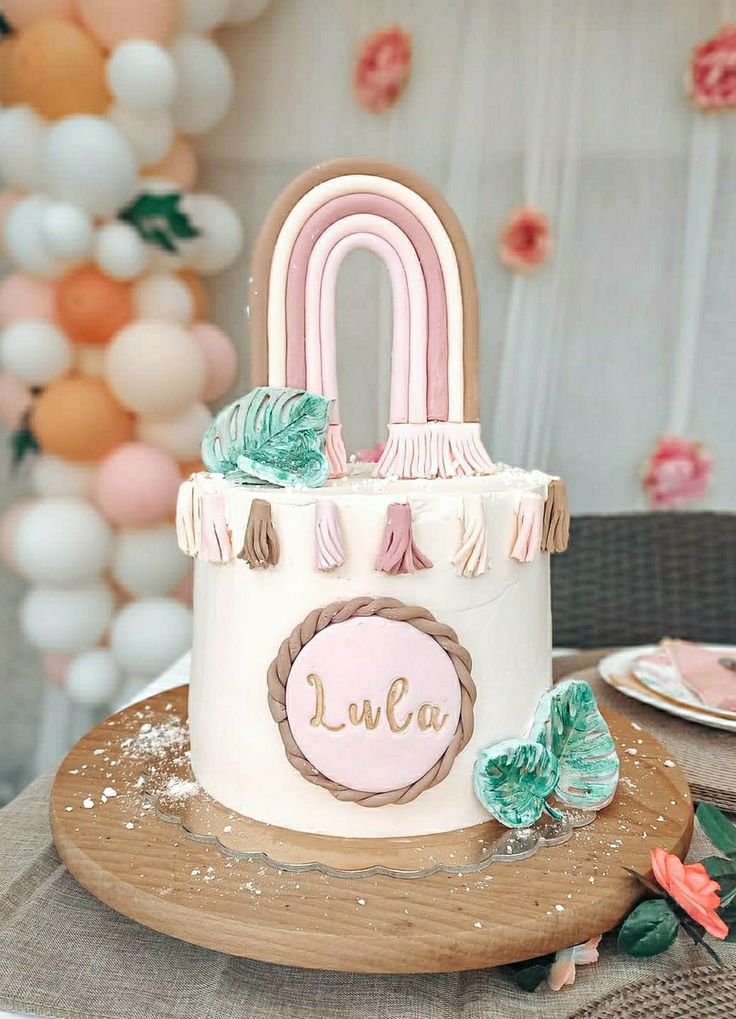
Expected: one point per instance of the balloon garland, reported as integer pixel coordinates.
(107, 359)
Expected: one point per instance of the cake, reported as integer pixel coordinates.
(363, 632)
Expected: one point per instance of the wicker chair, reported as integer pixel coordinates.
(633, 578)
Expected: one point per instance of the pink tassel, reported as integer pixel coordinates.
(335, 450)
(329, 553)
(529, 528)
(399, 554)
(215, 543)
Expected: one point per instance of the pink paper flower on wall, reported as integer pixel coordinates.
(677, 473)
(711, 79)
(525, 242)
(382, 69)
(373, 455)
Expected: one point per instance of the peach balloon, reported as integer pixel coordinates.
(220, 357)
(56, 665)
(184, 590)
(21, 13)
(92, 307)
(7, 95)
(199, 293)
(188, 467)
(137, 485)
(79, 419)
(8, 524)
(24, 296)
(8, 200)
(15, 400)
(112, 21)
(179, 165)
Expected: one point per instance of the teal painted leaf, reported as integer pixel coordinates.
(271, 436)
(649, 930)
(512, 780)
(568, 723)
(718, 828)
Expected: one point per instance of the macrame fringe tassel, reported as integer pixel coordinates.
(399, 553)
(556, 523)
(528, 528)
(445, 449)
(215, 542)
(335, 450)
(328, 550)
(471, 559)
(261, 545)
(188, 519)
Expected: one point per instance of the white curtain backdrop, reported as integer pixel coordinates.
(576, 106)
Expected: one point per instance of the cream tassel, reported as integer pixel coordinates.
(529, 528)
(471, 559)
(188, 519)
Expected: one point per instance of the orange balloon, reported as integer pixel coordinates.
(91, 307)
(79, 419)
(179, 165)
(188, 467)
(198, 292)
(7, 92)
(114, 21)
(59, 70)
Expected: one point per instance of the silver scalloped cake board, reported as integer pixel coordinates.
(134, 829)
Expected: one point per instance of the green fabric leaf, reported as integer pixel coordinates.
(512, 780)
(718, 867)
(649, 930)
(568, 723)
(530, 977)
(159, 220)
(273, 436)
(718, 828)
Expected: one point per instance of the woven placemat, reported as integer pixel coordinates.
(705, 992)
(707, 756)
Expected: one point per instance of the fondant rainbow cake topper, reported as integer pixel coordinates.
(319, 218)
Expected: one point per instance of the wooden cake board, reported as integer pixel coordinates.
(119, 847)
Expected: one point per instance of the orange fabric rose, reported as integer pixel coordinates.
(692, 888)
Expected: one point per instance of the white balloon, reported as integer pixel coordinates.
(90, 359)
(221, 236)
(120, 251)
(202, 15)
(67, 619)
(180, 435)
(205, 84)
(22, 133)
(150, 134)
(36, 352)
(92, 678)
(147, 561)
(62, 541)
(149, 635)
(67, 231)
(142, 74)
(163, 296)
(88, 161)
(25, 241)
(50, 475)
(245, 10)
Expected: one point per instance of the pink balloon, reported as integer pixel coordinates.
(114, 21)
(24, 12)
(23, 296)
(220, 357)
(184, 590)
(137, 485)
(56, 665)
(179, 165)
(15, 400)
(8, 523)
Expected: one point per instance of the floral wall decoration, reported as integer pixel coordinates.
(676, 474)
(711, 78)
(525, 242)
(107, 356)
(382, 69)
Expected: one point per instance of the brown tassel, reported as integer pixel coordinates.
(261, 545)
(556, 523)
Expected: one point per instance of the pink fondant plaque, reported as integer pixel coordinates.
(373, 703)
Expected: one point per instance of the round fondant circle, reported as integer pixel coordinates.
(373, 703)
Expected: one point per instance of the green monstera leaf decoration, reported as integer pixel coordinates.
(271, 436)
(568, 724)
(513, 779)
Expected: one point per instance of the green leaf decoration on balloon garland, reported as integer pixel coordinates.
(22, 440)
(159, 220)
(5, 27)
(271, 436)
(513, 779)
(568, 723)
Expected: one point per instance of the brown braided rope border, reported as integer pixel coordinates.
(387, 608)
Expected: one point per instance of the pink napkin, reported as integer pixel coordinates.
(701, 671)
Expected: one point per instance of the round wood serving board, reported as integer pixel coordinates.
(118, 847)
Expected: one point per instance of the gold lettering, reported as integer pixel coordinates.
(318, 718)
(366, 715)
(428, 717)
(398, 689)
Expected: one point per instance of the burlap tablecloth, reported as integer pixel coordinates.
(64, 954)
